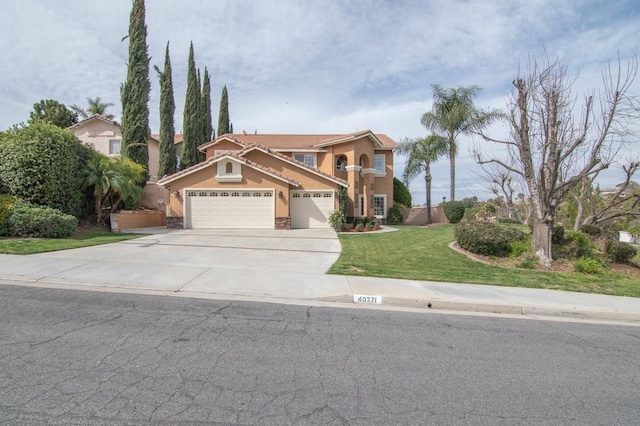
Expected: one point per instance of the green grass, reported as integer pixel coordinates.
(419, 253)
(41, 245)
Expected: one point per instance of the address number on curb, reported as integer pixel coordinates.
(361, 298)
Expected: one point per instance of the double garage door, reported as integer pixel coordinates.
(255, 209)
(230, 209)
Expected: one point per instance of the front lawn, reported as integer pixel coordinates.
(41, 245)
(420, 253)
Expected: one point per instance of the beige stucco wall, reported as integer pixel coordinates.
(417, 216)
(98, 133)
(128, 219)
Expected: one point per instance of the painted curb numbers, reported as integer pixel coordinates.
(362, 298)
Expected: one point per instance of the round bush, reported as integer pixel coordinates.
(592, 230)
(454, 211)
(394, 216)
(619, 252)
(28, 220)
(360, 227)
(487, 239)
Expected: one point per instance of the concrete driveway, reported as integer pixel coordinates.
(247, 262)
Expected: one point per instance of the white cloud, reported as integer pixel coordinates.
(310, 66)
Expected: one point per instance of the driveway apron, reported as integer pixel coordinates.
(240, 261)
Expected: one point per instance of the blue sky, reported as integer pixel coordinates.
(314, 66)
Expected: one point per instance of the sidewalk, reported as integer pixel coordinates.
(283, 269)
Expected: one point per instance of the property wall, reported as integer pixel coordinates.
(129, 219)
(417, 216)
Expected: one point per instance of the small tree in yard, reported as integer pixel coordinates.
(420, 154)
(401, 194)
(553, 148)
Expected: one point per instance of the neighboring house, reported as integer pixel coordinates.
(282, 181)
(105, 136)
(177, 141)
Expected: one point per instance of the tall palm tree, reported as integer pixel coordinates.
(454, 113)
(95, 106)
(421, 153)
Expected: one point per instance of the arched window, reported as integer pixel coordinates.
(341, 162)
(228, 168)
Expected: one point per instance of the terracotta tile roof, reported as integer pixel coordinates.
(236, 155)
(287, 141)
(94, 117)
(294, 161)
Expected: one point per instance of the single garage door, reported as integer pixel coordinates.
(311, 209)
(230, 209)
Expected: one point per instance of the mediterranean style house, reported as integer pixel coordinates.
(282, 181)
(105, 136)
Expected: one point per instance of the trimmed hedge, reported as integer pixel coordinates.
(619, 252)
(487, 239)
(454, 211)
(27, 220)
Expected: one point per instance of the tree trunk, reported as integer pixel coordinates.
(541, 240)
(427, 180)
(97, 204)
(452, 157)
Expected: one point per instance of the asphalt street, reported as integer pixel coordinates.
(74, 357)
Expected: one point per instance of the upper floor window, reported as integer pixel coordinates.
(378, 163)
(114, 146)
(308, 159)
(341, 163)
(228, 168)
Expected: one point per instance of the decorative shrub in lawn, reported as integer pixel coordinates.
(454, 211)
(394, 216)
(582, 246)
(487, 239)
(619, 252)
(588, 265)
(336, 220)
(360, 227)
(27, 220)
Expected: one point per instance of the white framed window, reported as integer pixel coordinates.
(378, 163)
(308, 159)
(115, 145)
(379, 205)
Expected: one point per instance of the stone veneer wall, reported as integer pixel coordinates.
(175, 222)
(283, 223)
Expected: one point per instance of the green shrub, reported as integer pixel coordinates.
(557, 235)
(401, 194)
(27, 220)
(582, 245)
(376, 224)
(394, 216)
(454, 211)
(519, 247)
(336, 220)
(592, 230)
(6, 205)
(370, 225)
(487, 239)
(41, 164)
(510, 220)
(588, 265)
(619, 252)
(360, 227)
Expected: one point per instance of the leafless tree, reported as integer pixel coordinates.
(553, 145)
(594, 208)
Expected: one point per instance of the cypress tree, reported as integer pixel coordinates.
(223, 115)
(206, 107)
(134, 93)
(190, 125)
(167, 128)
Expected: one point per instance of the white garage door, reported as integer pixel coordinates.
(311, 209)
(230, 209)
